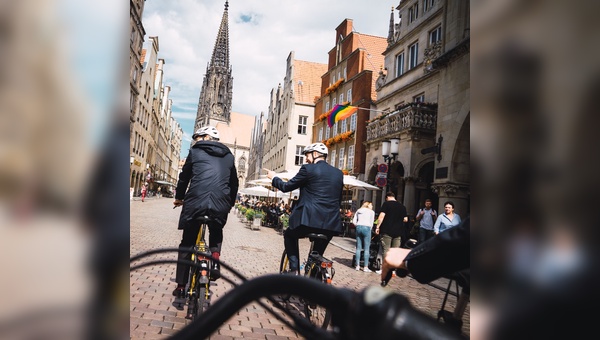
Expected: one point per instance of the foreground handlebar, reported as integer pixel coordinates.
(375, 313)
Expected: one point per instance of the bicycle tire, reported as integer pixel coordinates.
(316, 314)
(202, 301)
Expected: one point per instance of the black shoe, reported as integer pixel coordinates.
(215, 271)
(179, 292)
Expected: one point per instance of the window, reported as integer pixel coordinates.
(327, 107)
(435, 35)
(349, 96)
(351, 157)
(341, 97)
(299, 159)
(335, 130)
(341, 162)
(342, 126)
(420, 98)
(302, 121)
(333, 103)
(353, 122)
(327, 129)
(345, 76)
(399, 64)
(413, 55)
(332, 161)
(320, 134)
(411, 16)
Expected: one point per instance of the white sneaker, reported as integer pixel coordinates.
(357, 268)
(367, 270)
(378, 271)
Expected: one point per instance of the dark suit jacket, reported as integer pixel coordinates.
(320, 199)
(441, 255)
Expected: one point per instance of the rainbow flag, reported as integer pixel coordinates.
(340, 112)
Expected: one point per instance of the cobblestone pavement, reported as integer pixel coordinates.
(253, 253)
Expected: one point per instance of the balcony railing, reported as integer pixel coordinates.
(413, 117)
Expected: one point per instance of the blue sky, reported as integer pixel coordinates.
(262, 33)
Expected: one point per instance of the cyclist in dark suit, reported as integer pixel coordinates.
(318, 208)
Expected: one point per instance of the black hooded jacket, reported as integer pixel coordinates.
(213, 184)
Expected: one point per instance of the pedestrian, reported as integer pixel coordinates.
(210, 171)
(426, 217)
(144, 191)
(294, 202)
(363, 220)
(449, 219)
(318, 209)
(392, 217)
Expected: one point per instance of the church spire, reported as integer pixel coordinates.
(390, 38)
(220, 55)
(214, 104)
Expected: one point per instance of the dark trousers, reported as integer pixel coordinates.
(425, 235)
(188, 240)
(290, 241)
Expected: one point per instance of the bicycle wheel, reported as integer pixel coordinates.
(316, 314)
(202, 301)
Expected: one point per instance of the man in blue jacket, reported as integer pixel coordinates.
(213, 185)
(318, 209)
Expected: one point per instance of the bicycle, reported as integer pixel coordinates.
(198, 293)
(374, 313)
(315, 267)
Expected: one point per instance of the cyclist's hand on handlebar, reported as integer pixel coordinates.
(393, 259)
(177, 203)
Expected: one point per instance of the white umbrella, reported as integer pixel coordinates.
(257, 191)
(262, 180)
(350, 182)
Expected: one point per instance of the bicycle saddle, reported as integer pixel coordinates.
(205, 219)
(313, 236)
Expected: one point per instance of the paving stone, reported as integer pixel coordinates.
(253, 253)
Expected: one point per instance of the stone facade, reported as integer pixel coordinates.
(423, 100)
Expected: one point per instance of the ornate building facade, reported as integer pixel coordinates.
(423, 93)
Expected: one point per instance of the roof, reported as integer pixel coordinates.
(375, 46)
(239, 131)
(307, 80)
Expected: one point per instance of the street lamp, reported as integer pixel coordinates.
(389, 151)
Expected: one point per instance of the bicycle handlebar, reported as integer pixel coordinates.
(375, 313)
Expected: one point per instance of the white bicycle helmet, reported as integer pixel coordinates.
(207, 130)
(318, 147)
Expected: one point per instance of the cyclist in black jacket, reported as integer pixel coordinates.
(213, 185)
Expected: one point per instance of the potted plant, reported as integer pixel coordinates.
(258, 216)
(250, 215)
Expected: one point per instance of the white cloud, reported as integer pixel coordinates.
(262, 33)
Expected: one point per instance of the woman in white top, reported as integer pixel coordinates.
(363, 220)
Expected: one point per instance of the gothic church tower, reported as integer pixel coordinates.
(214, 104)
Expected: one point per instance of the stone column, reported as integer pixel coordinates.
(409, 195)
(456, 193)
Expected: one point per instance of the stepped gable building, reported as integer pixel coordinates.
(350, 78)
(215, 102)
(291, 109)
